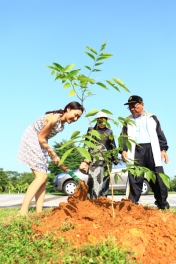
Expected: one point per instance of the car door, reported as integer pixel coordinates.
(82, 176)
(122, 179)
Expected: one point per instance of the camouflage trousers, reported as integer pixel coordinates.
(98, 185)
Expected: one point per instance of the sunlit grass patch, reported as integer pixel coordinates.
(19, 244)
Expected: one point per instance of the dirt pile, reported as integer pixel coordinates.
(150, 233)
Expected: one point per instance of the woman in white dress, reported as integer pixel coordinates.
(34, 150)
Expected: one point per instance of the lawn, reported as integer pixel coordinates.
(20, 244)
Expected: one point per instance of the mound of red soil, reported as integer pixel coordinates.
(149, 233)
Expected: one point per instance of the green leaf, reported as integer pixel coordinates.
(65, 145)
(65, 155)
(58, 66)
(73, 73)
(69, 67)
(113, 85)
(92, 113)
(92, 81)
(90, 55)
(95, 133)
(106, 173)
(84, 153)
(150, 176)
(129, 145)
(119, 82)
(91, 49)
(121, 119)
(85, 79)
(132, 171)
(88, 68)
(120, 142)
(116, 178)
(89, 144)
(105, 54)
(121, 177)
(94, 51)
(111, 137)
(138, 171)
(165, 179)
(102, 58)
(110, 82)
(61, 76)
(102, 85)
(103, 46)
(66, 85)
(106, 111)
(98, 63)
(115, 122)
(96, 158)
(72, 92)
(116, 88)
(53, 72)
(90, 138)
(75, 133)
(96, 70)
(76, 84)
(107, 124)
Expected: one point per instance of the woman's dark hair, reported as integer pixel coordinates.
(72, 106)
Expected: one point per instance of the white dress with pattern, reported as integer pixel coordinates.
(30, 152)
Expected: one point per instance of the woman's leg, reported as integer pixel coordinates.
(39, 197)
(36, 188)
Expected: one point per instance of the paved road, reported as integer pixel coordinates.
(53, 200)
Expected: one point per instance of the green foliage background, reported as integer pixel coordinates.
(72, 161)
(15, 182)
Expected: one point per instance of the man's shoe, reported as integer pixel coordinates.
(165, 207)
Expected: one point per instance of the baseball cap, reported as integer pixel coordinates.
(134, 99)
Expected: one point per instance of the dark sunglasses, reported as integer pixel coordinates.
(133, 107)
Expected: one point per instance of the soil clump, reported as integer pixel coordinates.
(149, 233)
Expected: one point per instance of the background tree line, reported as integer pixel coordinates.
(15, 182)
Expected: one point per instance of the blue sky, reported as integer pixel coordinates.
(140, 34)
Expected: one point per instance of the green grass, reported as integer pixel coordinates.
(19, 244)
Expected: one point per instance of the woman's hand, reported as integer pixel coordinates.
(53, 156)
(56, 159)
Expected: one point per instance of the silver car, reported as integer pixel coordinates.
(64, 183)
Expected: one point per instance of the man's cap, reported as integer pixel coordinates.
(134, 99)
(102, 114)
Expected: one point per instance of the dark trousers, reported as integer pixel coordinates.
(144, 157)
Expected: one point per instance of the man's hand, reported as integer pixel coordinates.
(164, 156)
(124, 156)
(87, 161)
(116, 161)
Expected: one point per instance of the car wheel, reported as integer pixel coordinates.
(69, 187)
(146, 188)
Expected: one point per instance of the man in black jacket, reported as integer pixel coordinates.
(153, 146)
